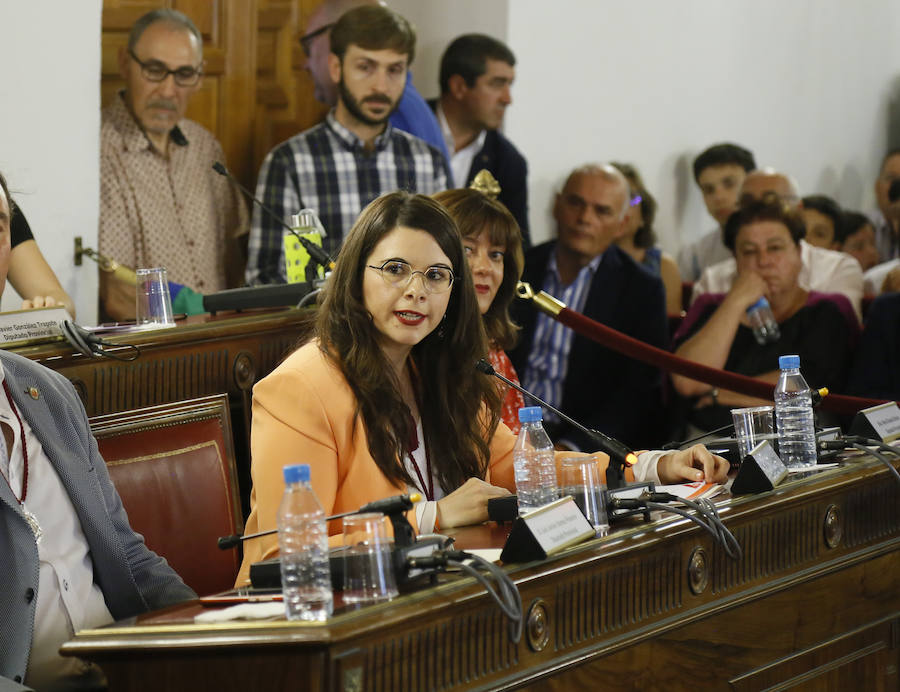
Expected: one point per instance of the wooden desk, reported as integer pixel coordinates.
(815, 603)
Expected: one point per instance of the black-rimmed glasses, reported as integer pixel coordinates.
(307, 39)
(398, 274)
(155, 71)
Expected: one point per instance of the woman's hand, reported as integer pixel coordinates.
(467, 504)
(748, 287)
(39, 302)
(694, 464)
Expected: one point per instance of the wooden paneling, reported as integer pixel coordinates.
(255, 92)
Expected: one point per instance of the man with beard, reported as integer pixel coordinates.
(161, 204)
(354, 155)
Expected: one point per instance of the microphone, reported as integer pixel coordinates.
(315, 252)
(389, 505)
(617, 451)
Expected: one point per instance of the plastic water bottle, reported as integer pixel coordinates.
(303, 543)
(534, 462)
(794, 416)
(763, 323)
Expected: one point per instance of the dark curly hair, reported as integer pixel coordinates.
(769, 208)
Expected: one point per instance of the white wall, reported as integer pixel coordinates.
(806, 84)
(50, 131)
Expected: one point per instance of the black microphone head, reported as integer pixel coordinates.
(484, 366)
(219, 168)
(894, 190)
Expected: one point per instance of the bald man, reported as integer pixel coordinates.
(825, 271)
(585, 269)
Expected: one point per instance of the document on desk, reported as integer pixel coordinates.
(692, 491)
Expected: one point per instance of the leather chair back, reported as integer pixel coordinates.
(173, 466)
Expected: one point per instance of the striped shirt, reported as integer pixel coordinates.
(326, 168)
(545, 371)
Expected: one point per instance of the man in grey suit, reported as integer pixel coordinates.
(69, 558)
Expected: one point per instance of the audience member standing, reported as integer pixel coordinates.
(161, 203)
(586, 270)
(477, 73)
(355, 154)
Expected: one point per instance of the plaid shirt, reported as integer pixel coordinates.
(326, 168)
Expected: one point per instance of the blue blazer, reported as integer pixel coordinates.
(132, 577)
(603, 389)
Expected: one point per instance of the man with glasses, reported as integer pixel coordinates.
(161, 203)
(413, 115)
(824, 271)
(355, 154)
(586, 270)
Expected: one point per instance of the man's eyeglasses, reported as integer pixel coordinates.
(155, 71)
(398, 274)
(307, 39)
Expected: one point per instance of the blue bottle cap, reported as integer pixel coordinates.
(788, 362)
(761, 303)
(530, 414)
(296, 473)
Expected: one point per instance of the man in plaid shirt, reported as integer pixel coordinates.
(354, 155)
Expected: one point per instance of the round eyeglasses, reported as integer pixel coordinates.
(398, 274)
(156, 71)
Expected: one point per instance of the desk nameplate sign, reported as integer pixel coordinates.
(24, 327)
(880, 422)
(546, 530)
(761, 470)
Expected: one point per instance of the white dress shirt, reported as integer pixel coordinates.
(460, 161)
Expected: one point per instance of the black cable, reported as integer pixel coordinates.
(684, 443)
(106, 353)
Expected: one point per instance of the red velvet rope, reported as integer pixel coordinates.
(633, 348)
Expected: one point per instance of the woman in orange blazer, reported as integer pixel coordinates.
(386, 398)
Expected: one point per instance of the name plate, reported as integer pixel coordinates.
(21, 327)
(546, 530)
(761, 470)
(878, 422)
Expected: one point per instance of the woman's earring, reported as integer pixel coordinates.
(440, 331)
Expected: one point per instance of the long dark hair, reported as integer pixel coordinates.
(475, 212)
(458, 405)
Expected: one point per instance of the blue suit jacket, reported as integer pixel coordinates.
(132, 577)
(603, 389)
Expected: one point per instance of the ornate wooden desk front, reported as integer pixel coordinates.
(813, 604)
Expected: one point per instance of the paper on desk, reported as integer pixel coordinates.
(489, 554)
(691, 491)
(243, 611)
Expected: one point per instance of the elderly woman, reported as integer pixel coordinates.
(385, 398)
(765, 239)
(493, 245)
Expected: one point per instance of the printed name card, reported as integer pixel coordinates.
(545, 531)
(878, 422)
(31, 325)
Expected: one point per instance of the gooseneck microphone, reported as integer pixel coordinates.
(617, 451)
(388, 505)
(315, 252)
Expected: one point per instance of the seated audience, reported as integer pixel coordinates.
(765, 238)
(639, 239)
(855, 235)
(493, 245)
(821, 270)
(876, 368)
(29, 273)
(586, 270)
(385, 398)
(886, 218)
(161, 203)
(822, 217)
(70, 559)
(719, 172)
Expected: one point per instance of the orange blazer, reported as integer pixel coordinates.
(303, 413)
